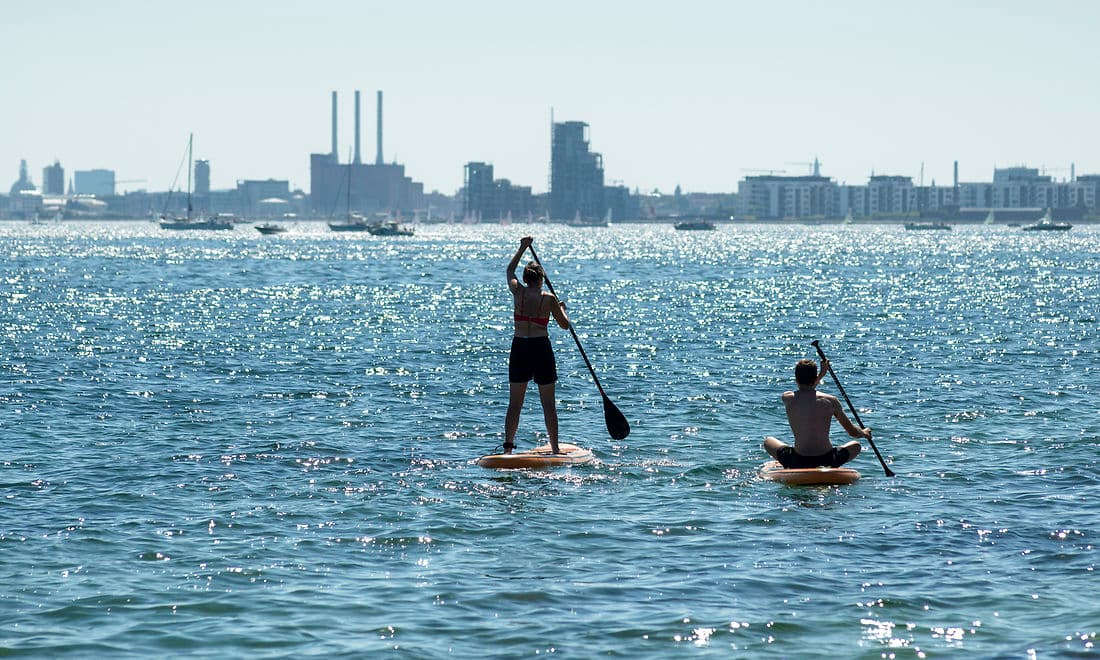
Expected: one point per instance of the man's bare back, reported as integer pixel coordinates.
(810, 414)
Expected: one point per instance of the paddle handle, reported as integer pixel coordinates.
(851, 408)
(573, 332)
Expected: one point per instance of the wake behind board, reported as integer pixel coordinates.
(819, 476)
(540, 457)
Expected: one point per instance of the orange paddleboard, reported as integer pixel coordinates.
(819, 476)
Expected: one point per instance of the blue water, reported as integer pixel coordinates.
(229, 445)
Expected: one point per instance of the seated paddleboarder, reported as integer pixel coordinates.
(532, 356)
(810, 413)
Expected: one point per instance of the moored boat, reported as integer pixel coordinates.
(389, 228)
(189, 222)
(269, 228)
(694, 225)
(195, 223)
(353, 223)
(1047, 223)
(927, 226)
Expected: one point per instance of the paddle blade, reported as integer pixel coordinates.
(617, 426)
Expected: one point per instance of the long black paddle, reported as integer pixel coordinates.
(617, 426)
(840, 387)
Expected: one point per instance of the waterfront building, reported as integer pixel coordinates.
(263, 198)
(23, 183)
(935, 200)
(1087, 191)
(576, 174)
(486, 198)
(773, 197)
(100, 183)
(202, 177)
(890, 195)
(976, 194)
(622, 205)
(25, 200)
(1017, 187)
(53, 179)
(337, 188)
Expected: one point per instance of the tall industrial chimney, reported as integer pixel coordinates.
(357, 161)
(378, 156)
(956, 178)
(335, 156)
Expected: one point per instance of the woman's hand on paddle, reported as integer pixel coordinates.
(866, 432)
(526, 242)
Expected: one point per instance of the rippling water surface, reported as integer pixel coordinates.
(235, 445)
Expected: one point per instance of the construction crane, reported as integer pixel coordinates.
(768, 172)
(814, 166)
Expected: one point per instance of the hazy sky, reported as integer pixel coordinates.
(687, 92)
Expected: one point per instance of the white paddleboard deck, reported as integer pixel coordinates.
(540, 457)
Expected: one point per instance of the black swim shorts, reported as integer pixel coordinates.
(795, 461)
(532, 357)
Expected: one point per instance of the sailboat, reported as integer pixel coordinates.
(354, 222)
(989, 218)
(579, 221)
(189, 222)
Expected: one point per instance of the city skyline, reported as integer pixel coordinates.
(698, 97)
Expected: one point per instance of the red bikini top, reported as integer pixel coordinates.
(533, 319)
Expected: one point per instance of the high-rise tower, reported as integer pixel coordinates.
(576, 174)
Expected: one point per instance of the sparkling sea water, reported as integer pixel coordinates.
(222, 444)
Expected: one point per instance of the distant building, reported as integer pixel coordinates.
(53, 179)
(1020, 187)
(576, 174)
(890, 195)
(23, 183)
(1087, 190)
(337, 188)
(621, 204)
(933, 200)
(263, 198)
(773, 197)
(202, 177)
(486, 198)
(100, 183)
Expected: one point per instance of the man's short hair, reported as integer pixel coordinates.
(805, 372)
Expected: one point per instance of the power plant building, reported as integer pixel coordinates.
(337, 188)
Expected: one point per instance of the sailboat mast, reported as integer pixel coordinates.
(190, 139)
(348, 204)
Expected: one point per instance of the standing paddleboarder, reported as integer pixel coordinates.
(810, 414)
(532, 356)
